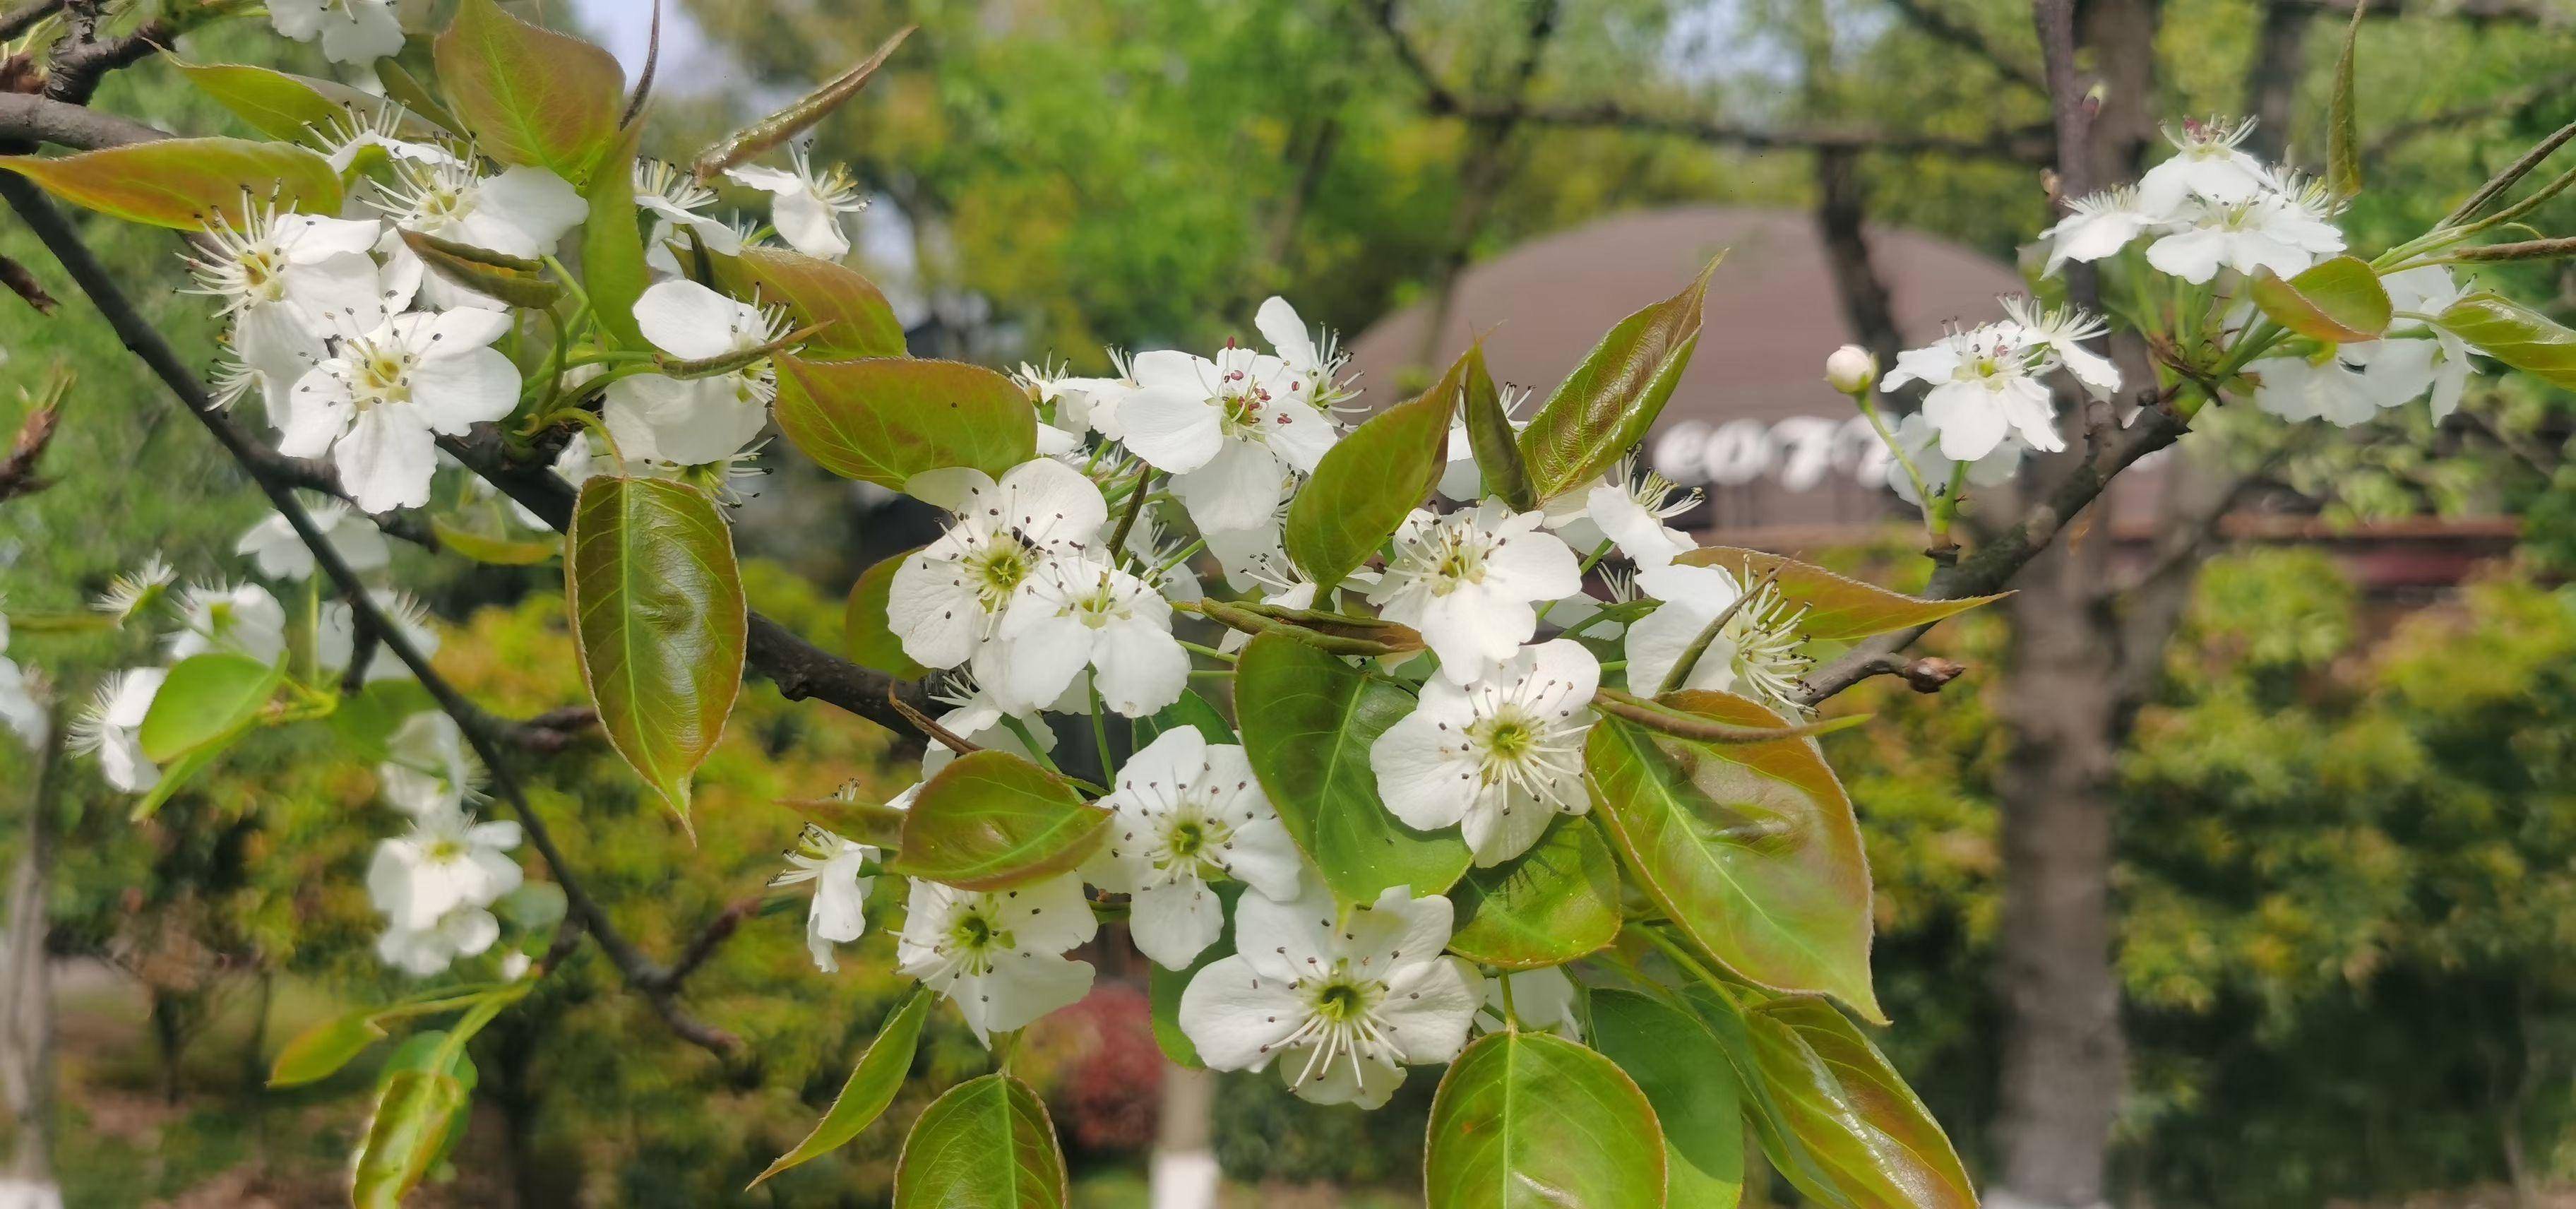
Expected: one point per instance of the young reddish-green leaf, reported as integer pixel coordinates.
(1308, 719)
(1834, 1117)
(494, 551)
(187, 184)
(865, 636)
(887, 419)
(1750, 848)
(274, 103)
(658, 623)
(1606, 405)
(612, 241)
(1534, 1119)
(2516, 335)
(2343, 131)
(404, 1136)
(984, 1144)
(319, 1052)
(2338, 301)
(1839, 608)
(206, 700)
(527, 94)
(1501, 472)
(855, 319)
(872, 1084)
(514, 280)
(1549, 905)
(744, 144)
(1370, 480)
(991, 820)
(1685, 1075)
(407, 90)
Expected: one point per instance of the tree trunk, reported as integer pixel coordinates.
(1184, 1173)
(26, 1000)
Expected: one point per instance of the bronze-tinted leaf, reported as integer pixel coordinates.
(1548, 906)
(1839, 608)
(1606, 405)
(2516, 335)
(658, 622)
(527, 94)
(1370, 480)
(865, 635)
(1535, 1119)
(2339, 301)
(511, 279)
(1833, 1115)
(852, 314)
(744, 144)
(187, 184)
(991, 820)
(886, 419)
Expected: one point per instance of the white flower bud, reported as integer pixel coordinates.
(1851, 369)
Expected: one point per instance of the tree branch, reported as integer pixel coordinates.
(82, 58)
(1942, 27)
(18, 469)
(25, 118)
(147, 344)
(2530, 12)
(23, 18)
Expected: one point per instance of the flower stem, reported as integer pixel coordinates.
(1100, 727)
(1127, 520)
(1878, 422)
(1209, 651)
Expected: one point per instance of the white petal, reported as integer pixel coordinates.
(1141, 668)
(1173, 431)
(1237, 1016)
(1430, 1008)
(1424, 773)
(809, 224)
(386, 460)
(1173, 922)
(453, 394)
(539, 203)
(688, 320)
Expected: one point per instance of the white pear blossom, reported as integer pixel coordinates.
(109, 727)
(1498, 758)
(1470, 582)
(806, 206)
(352, 31)
(975, 714)
(378, 405)
(1543, 999)
(428, 767)
(273, 546)
(2285, 226)
(288, 282)
(1630, 511)
(424, 952)
(1230, 431)
(1342, 1003)
(695, 421)
(350, 135)
(446, 861)
(2099, 225)
(338, 639)
(836, 868)
(2417, 294)
(676, 201)
(2062, 331)
(2207, 164)
(1069, 613)
(947, 600)
(244, 619)
(523, 211)
(999, 954)
(134, 591)
(1189, 812)
(1922, 443)
(2343, 385)
(1984, 384)
(1314, 362)
(1755, 654)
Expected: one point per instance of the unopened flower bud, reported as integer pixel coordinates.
(1851, 369)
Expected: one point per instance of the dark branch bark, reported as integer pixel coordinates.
(24, 17)
(82, 58)
(146, 343)
(34, 119)
(1841, 211)
(18, 469)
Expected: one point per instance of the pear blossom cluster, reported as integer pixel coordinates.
(1060, 591)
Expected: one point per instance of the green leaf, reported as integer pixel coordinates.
(1833, 1116)
(187, 184)
(207, 699)
(281, 106)
(1549, 905)
(1532, 1119)
(1191, 710)
(1750, 848)
(1308, 720)
(885, 419)
(612, 241)
(514, 280)
(2343, 132)
(530, 95)
(865, 634)
(406, 89)
(1502, 473)
(743, 145)
(1370, 480)
(871, 1087)
(533, 906)
(367, 719)
(404, 1136)
(178, 774)
(991, 819)
(984, 1144)
(320, 1051)
(658, 622)
(2516, 335)
(2338, 301)
(1613, 397)
(1839, 608)
(1684, 1073)
(495, 551)
(855, 318)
